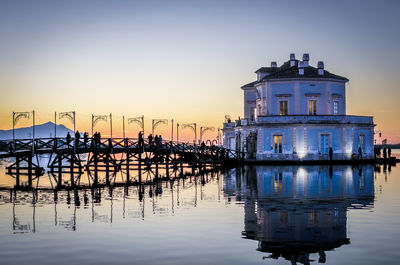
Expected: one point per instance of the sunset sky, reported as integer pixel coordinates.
(186, 60)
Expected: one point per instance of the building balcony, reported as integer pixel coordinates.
(315, 119)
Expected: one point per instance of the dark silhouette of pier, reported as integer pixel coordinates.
(141, 160)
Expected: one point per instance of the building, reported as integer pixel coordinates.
(298, 112)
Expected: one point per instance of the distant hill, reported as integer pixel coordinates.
(44, 130)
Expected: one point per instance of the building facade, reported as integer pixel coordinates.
(298, 112)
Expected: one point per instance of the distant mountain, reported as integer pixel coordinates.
(45, 130)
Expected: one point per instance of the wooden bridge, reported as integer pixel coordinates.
(140, 160)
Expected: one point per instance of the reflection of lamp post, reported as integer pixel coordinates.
(205, 129)
(192, 126)
(156, 122)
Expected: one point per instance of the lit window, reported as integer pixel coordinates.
(283, 108)
(336, 107)
(312, 107)
(278, 144)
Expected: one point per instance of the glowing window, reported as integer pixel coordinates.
(278, 144)
(283, 107)
(312, 107)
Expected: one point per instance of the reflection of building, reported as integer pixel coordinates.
(296, 111)
(296, 211)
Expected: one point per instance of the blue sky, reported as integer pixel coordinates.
(187, 59)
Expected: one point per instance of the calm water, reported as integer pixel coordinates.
(254, 215)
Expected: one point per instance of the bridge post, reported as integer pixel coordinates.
(156, 160)
(59, 183)
(166, 166)
(30, 171)
(17, 170)
(140, 167)
(107, 170)
(71, 167)
(96, 176)
(127, 168)
(127, 156)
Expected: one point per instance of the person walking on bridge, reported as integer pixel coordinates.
(77, 136)
(156, 140)
(68, 139)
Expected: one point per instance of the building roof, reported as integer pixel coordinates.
(250, 85)
(285, 71)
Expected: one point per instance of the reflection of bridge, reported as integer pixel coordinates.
(111, 155)
(294, 212)
(100, 200)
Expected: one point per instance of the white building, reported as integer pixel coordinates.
(298, 112)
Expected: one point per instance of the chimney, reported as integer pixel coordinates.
(320, 68)
(274, 65)
(306, 58)
(292, 60)
(301, 68)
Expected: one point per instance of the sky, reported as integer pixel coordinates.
(186, 60)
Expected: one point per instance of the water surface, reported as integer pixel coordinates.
(252, 215)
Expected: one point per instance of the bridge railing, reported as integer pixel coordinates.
(44, 145)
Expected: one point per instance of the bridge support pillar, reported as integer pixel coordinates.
(127, 167)
(17, 181)
(59, 180)
(140, 168)
(71, 168)
(107, 169)
(96, 175)
(30, 171)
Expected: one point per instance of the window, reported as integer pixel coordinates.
(312, 107)
(361, 143)
(335, 107)
(283, 107)
(278, 182)
(253, 114)
(278, 144)
(324, 144)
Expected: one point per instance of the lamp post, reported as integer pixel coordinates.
(192, 126)
(156, 122)
(205, 129)
(139, 121)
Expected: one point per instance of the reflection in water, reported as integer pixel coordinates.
(296, 211)
(100, 200)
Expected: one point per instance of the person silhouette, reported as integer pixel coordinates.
(68, 138)
(156, 140)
